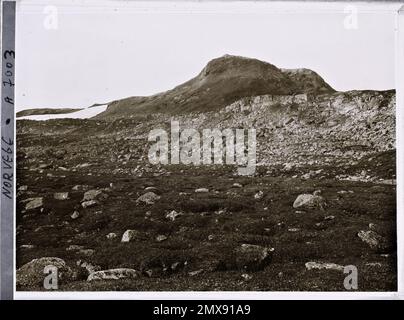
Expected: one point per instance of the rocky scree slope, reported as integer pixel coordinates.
(292, 131)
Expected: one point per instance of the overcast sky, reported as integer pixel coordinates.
(99, 53)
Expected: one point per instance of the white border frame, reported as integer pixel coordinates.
(399, 148)
(272, 295)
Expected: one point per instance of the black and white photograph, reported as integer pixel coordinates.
(182, 146)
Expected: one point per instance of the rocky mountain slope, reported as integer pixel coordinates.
(323, 195)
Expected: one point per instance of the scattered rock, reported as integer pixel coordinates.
(173, 215)
(148, 198)
(152, 189)
(374, 264)
(61, 195)
(75, 215)
(323, 265)
(130, 235)
(196, 272)
(114, 274)
(88, 267)
(307, 175)
(161, 238)
(246, 276)
(111, 235)
(32, 274)
(74, 247)
(175, 266)
(83, 165)
(288, 166)
(148, 273)
(34, 203)
(88, 204)
(281, 224)
(310, 201)
(93, 195)
(373, 239)
(81, 187)
(27, 246)
(220, 211)
(86, 252)
(259, 195)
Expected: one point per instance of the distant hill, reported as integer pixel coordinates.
(223, 81)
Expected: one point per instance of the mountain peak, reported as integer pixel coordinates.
(238, 64)
(221, 82)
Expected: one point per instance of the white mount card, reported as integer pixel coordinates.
(198, 149)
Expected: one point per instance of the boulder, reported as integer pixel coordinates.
(259, 195)
(32, 274)
(173, 215)
(88, 204)
(246, 276)
(113, 274)
(61, 195)
(86, 252)
(309, 201)
(34, 203)
(88, 267)
(81, 187)
(75, 215)
(323, 265)
(373, 240)
(148, 198)
(74, 247)
(195, 273)
(129, 235)
(111, 235)
(93, 195)
(201, 190)
(288, 166)
(27, 246)
(161, 238)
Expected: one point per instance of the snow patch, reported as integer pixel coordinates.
(82, 114)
